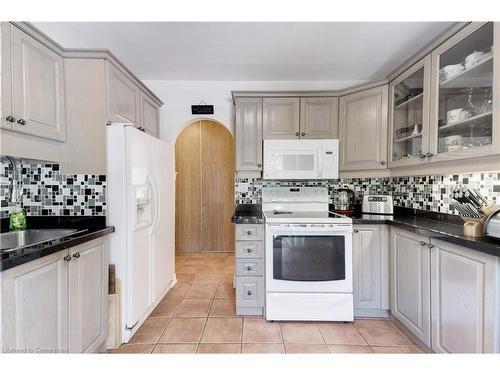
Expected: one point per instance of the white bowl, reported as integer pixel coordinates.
(473, 59)
(450, 71)
(454, 140)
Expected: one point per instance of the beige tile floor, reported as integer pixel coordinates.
(198, 316)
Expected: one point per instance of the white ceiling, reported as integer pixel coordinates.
(278, 51)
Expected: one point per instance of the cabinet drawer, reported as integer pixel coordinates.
(249, 267)
(249, 232)
(249, 249)
(250, 291)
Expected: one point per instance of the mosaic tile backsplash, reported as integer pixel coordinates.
(422, 192)
(42, 190)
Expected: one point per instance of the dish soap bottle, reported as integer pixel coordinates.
(17, 219)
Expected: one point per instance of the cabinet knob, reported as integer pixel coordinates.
(382, 162)
(422, 156)
(67, 258)
(422, 243)
(356, 230)
(249, 268)
(76, 255)
(249, 292)
(297, 134)
(249, 232)
(259, 165)
(430, 246)
(249, 250)
(10, 119)
(21, 121)
(302, 134)
(429, 155)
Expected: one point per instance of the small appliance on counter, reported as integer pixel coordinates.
(377, 204)
(492, 225)
(343, 201)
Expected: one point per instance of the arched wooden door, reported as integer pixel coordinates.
(204, 196)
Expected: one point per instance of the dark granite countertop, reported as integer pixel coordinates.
(452, 232)
(89, 228)
(440, 226)
(248, 214)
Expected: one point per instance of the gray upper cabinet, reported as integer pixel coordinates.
(363, 129)
(281, 118)
(249, 134)
(409, 102)
(36, 83)
(319, 118)
(150, 117)
(464, 121)
(124, 97)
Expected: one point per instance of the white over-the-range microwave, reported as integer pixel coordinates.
(301, 159)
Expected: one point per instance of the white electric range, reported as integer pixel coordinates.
(308, 256)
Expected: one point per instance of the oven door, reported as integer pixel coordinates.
(309, 258)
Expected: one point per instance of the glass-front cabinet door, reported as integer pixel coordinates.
(409, 115)
(465, 95)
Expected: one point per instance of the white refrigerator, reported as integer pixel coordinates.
(141, 202)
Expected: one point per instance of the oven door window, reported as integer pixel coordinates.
(308, 258)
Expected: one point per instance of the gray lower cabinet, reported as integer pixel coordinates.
(57, 303)
(410, 282)
(249, 269)
(446, 295)
(370, 270)
(465, 294)
(248, 135)
(88, 297)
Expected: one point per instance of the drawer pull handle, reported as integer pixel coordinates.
(249, 292)
(249, 250)
(249, 232)
(249, 268)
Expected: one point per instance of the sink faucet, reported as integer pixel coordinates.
(13, 183)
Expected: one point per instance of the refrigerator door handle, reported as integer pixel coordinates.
(154, 204)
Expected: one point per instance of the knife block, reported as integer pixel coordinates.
(475, 227)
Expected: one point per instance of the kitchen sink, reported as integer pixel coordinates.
(11, 241)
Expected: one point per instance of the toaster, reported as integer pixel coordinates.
(377, 204)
